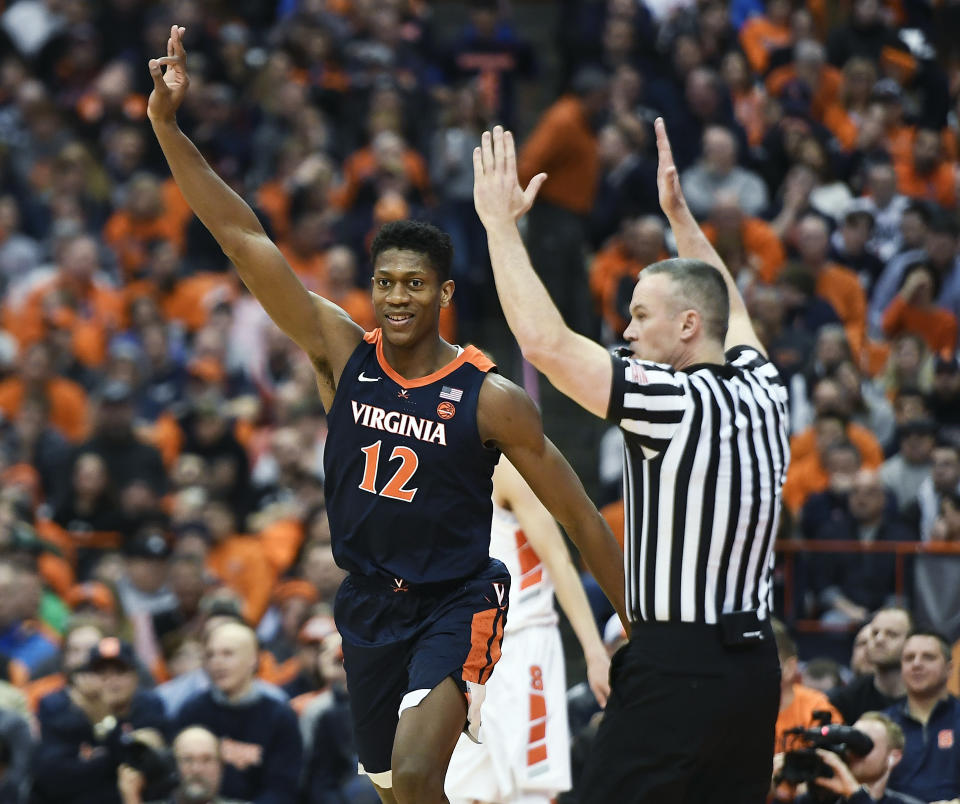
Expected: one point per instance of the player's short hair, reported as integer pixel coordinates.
(895, 739)
(700, 287)
(419, 237)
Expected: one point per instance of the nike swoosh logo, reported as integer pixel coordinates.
(367, 379)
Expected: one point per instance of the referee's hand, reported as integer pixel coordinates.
(598, 677)
(670, 193)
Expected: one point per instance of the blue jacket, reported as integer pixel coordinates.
(930, 768)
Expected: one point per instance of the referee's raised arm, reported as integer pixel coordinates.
(692, 242)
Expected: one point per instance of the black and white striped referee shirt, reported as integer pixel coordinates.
(706, 454)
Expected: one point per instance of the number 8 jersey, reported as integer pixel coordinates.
(408, 482)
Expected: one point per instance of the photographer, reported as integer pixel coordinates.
(197, 753)
(859, 780)
(85, 728)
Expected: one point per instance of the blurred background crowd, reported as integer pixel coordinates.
(161, 441)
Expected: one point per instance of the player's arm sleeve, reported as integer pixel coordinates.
(647, 399)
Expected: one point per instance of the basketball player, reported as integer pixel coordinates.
(525, 750)
(416, 426)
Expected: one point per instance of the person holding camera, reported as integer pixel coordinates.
(197, 754)
(859, 780)
(86, 728)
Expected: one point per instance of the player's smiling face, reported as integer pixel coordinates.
(407, 296)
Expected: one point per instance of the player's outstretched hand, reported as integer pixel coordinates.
(169, 85)
(672, 201)
(497, 194)
(598, 677)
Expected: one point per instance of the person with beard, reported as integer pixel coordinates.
(863, 780)
(930, 769)
(197, 752)
(884, 686)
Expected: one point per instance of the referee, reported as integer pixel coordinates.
(695, 692)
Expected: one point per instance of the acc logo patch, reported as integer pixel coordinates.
(446, 410)
(945, 738)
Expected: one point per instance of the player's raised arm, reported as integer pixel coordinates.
(319, 327)
(693, 243)
(512, 492)
(577, 366)
(508, 418)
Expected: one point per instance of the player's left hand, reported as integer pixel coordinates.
(497, 194)
(598, 677)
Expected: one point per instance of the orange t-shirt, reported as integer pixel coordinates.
(939, 186)
(564, 146)
(936, 326)
(806, 701)
(804, 443)
(68, 404)
(759, 37)
(842, 289)
(761, 243)
(243, 566)
(130, 239)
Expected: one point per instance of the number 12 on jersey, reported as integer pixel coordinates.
(395, 488)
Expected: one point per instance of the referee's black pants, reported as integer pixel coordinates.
(689, 721)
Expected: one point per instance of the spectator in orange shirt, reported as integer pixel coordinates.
(187, 300)
(832, 455)
(386, 154)
(615, 269)
(65, 400)
(142, 221)
(835, 284)
(926, 173)
(564, 146)
(797, 703)
(304, 249)
(745, 244)
(912, 310)
(809, 67)
(830, 396)
(238, 560)
(764, 33)
(98, 308)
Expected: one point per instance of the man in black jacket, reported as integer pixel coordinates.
(82, 728)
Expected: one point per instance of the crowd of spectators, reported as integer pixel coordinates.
(165, 561)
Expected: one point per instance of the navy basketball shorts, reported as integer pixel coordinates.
(401, 640)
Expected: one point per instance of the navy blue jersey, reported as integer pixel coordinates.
(408, 481)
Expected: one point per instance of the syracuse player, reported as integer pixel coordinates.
(525, 754)
(415, 429)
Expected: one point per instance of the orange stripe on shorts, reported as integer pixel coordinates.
(486, 634)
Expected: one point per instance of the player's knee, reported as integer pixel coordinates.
(417, 780)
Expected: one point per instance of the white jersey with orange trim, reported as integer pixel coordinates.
(531, 588)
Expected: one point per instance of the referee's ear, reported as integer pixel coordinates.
(691, 325)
